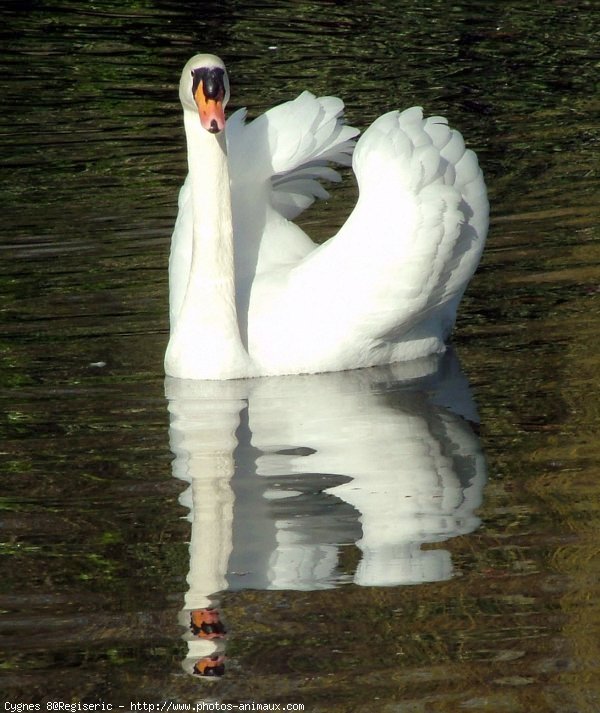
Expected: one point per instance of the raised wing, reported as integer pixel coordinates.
(276, 164)
(395, 272)
(292, 146)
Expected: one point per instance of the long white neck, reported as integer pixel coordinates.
(212, 271)
(205, 340)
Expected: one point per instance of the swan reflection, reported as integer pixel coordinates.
(285, 472)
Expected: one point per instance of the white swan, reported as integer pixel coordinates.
(251, 294)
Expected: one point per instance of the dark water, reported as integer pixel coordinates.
(419, 538)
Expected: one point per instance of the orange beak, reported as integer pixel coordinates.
(212, 113)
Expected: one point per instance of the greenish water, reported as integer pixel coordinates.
(491, 601)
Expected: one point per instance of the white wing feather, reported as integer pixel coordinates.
(291, 147)
(387, 286)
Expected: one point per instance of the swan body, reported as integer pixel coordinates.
(252, 295)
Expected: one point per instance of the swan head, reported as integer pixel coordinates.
(204, 88)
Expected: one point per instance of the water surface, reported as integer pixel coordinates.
(424, 536)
